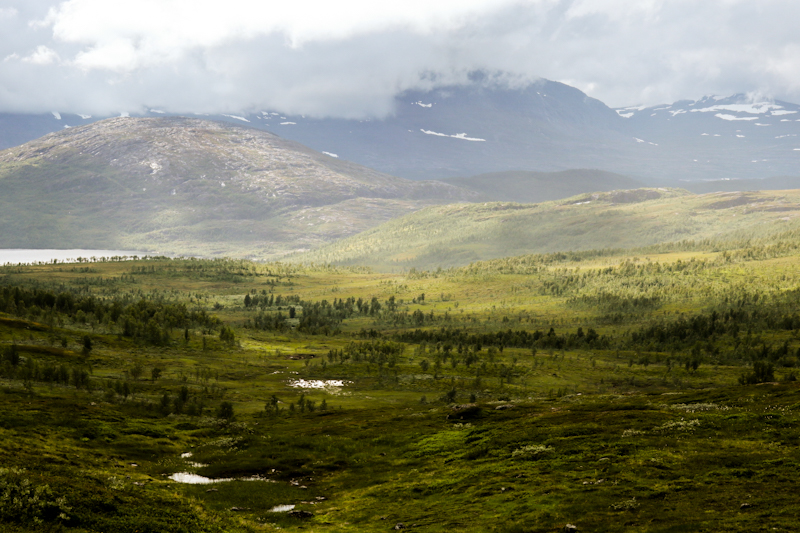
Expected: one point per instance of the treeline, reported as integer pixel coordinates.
(508, 338)
(148, 320)
(314, 318)
(380, 352)
(27, 369)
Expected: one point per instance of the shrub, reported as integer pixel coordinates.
(23, 501)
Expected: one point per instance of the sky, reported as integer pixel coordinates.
(351, 58)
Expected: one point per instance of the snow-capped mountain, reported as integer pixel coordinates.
(546, 126)
(717, 137)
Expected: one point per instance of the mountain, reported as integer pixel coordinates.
(535, 187)
(736, 137)
(454, 235)
(192, 186)
(546, 126)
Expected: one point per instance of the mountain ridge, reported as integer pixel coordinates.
(192, 186)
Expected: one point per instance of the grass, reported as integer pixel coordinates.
(613, 437)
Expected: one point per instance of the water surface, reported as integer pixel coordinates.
(19, 255)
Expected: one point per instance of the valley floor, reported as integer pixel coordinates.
(613, 393)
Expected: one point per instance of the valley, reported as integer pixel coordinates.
(649, 389)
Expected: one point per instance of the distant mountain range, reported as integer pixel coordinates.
(463, 131)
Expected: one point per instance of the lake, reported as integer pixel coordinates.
(15, 256)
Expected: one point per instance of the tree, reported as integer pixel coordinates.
(155, 373)
(226, 335)
(225, 410)
(87, 344)
(137, 371)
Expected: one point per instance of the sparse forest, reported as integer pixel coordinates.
(649, 389)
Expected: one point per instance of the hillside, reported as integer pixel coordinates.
(535, 187)
(192, 186)
(774, 183)
(455, 235)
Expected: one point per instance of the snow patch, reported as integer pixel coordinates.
(287, 123)
(56, 114)
(237, 117)
(124, 114)
(680, 111)
(157, 111)
(740, 136)
(638, 140)
(702, 134)
(462, 136)
(752, 109)
(625, 115)
(84, 117)
(724, 116)
(783, 112)
(422, 105)
(759, 124)
(330, 154)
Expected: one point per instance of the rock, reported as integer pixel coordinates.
(237, 509)
(745, 506)
(503, 407)
(569, 528)
(212, 490)
(300, 514)
(399, 525)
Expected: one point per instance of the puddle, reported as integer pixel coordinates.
(194, 479)
(281, 508)
(329, 385)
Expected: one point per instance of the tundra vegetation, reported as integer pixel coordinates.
(648, 390)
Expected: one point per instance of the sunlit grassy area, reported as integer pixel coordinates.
(651, 391)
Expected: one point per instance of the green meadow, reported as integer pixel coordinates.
(649, 390)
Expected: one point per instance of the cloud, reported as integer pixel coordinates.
(41, 56)
(351, 58)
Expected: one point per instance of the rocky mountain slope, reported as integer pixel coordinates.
(454, 235)
(192, 186)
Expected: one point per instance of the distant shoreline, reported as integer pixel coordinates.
(15, 256)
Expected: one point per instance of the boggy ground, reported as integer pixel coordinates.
(429, 413)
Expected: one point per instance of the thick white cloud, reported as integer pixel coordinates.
(350, 58)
